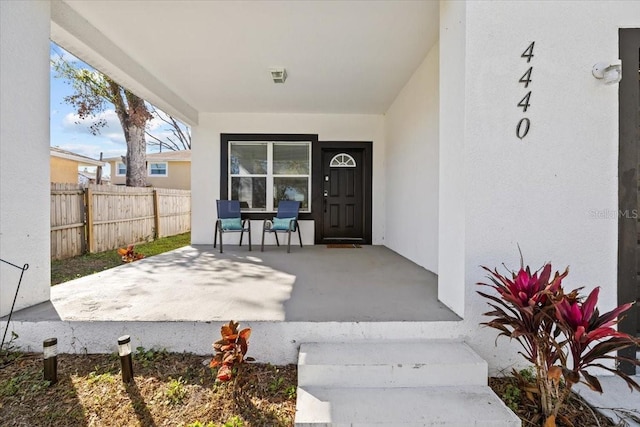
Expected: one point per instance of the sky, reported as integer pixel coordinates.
(70, 133)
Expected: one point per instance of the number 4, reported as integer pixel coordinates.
(528, 53)
(524, 102)
(526, 77)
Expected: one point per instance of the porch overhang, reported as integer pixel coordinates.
(215, 56)
(80, 37)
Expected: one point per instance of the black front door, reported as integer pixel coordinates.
(343, 195)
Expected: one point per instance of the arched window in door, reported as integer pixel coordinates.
(342, 160)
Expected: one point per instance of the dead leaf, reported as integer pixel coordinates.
(551, 421)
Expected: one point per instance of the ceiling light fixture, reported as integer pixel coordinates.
(279, 75)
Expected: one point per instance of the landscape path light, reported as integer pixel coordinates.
(124, 350)
(50, 350)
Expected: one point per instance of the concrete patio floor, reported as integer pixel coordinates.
(172, 300)
(197, 283)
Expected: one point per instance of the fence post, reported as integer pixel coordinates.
(89, 219)
(156, 214)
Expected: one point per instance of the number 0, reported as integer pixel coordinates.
(521, 131)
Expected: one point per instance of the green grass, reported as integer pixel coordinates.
(72, 268)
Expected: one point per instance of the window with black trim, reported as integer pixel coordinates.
(260, 173)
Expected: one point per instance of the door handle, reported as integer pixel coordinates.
(326, 193)
(325, 205)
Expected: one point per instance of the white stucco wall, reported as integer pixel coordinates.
(329, 127)
(451, 207)
(411, 161)
(543, 192)
(24, 151)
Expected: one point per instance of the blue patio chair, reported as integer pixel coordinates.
(285, 221)
(230, 221)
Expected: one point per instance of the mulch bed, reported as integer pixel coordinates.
(575, 413)
(168, 390)
(172, 389)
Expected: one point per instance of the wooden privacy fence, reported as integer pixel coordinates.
(104, 217)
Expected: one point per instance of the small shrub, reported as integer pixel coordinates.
(9, 352)
(561, 334)
(234, 421)
(511, 397)
(129, 255)
(25, 382)
(230, 350)
(291, 391)
(95, 377)
(276, 384)
(528, 374)
(146, 357)
(10, 387)
(199, 424)
(176, 391)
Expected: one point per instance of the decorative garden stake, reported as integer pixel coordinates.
(124, 350)
(50, 350)
(552, 325)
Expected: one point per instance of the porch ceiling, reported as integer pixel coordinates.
(340, 56)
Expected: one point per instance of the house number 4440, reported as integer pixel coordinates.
(522, 129)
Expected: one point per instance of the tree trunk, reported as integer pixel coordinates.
(136, 156)
(133, 115)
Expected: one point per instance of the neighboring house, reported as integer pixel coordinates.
(64, 165)
(466, 129)
(170, 169)
(85, 178)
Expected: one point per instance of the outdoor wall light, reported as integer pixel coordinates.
(279, 75)
(124, 350)
(609, 73)
(50, 350)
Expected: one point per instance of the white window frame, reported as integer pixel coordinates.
(166, 169)
(118, 164)
(270, 208)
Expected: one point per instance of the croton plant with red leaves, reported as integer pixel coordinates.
(129, 255)
(551, 325)
(230, 350)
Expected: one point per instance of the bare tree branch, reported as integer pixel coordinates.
(180, 132)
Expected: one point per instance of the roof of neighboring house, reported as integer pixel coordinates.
(82, 160)
(165, 156)
(92, 175)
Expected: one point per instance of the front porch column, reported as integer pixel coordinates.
(24, 151)
(451, 230)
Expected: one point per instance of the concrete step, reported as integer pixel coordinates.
(390, 364)
(456, 406)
